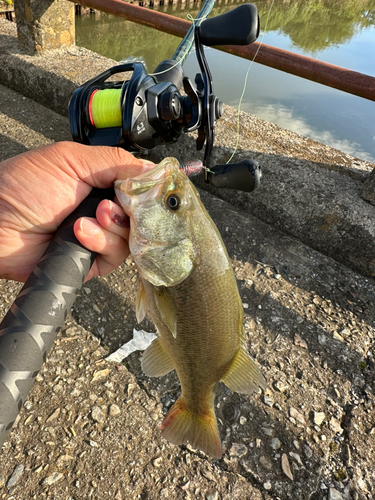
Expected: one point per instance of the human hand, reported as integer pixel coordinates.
(40, 188)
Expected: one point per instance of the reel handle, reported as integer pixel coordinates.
(243, 176)
(30, 327)
(239, 26)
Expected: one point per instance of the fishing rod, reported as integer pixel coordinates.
(137, 114)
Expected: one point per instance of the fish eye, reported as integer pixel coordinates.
(173, 201)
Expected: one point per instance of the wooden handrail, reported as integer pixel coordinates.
(337, 77)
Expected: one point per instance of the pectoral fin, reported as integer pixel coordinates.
(140, 303)
(244, 375)
(155, 360)
(167, 309)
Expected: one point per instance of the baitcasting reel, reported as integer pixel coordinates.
(149, 110)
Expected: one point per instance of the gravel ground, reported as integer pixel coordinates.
(90, 428)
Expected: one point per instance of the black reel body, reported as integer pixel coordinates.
(143, 104)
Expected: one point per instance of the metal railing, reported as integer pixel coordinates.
(327, 74)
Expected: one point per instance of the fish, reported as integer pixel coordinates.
(189, 289)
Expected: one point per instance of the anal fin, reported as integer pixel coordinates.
(244, 376)
(156, 362)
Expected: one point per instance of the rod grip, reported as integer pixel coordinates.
(30, 327)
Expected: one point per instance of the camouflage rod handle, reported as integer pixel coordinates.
(30, 327)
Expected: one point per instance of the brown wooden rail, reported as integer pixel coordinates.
(339, 78)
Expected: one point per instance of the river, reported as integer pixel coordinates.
(340, 32)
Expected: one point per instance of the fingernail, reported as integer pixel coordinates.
(89, 227)
(122, 221)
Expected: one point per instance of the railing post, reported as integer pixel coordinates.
(44, 24)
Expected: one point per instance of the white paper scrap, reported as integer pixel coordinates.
(140, 341)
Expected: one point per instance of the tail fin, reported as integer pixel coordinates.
(181, 425)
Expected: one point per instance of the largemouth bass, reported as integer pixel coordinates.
(190, 291)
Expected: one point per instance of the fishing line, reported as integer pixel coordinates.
(245, 83)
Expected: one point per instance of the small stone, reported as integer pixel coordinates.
(63, 459)
(130, 389)
(297, 415)
(212, 495)
(335, 426)
(298, 340)
(93, 444)
(17, 473)
(53, 478)
(54, 416)
(347, 456)
(266, 463)
(243, 420)
(208, 475)
(268, 399)
(281, 386)
(338, 337)
(333, 494)
(29, 419)
(307, 451)
(268, 431)
(114, 410)
(100, 374)
(97, 414)
(296, 457)
(345, 331)
(267, 486)
(185, 486)
(157, 461)
(319, 416)
(275, 444)
(286, 467)
(154, 416)
(238, 450)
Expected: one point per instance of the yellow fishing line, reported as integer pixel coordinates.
(245, 85)
(105, 108)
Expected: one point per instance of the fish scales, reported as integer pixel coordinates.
(190, 291)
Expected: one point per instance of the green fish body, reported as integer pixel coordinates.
(189, 289)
